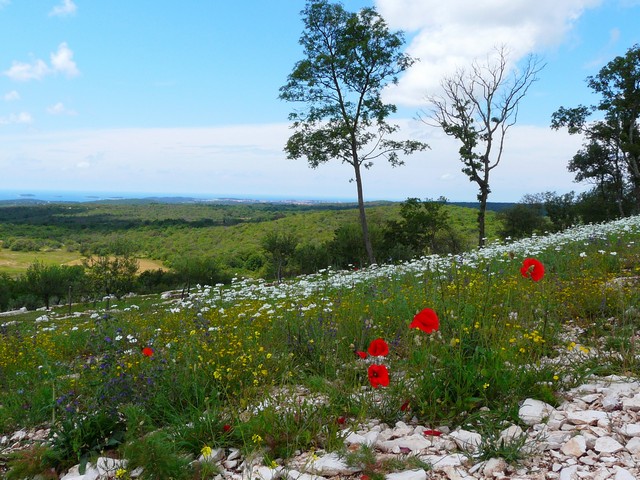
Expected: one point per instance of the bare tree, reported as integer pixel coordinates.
(477, 107)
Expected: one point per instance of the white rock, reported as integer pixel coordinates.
(630, 430)
(632, 404)
(414, 443)
(296, 475)
(607, 445)
(611, 403)
(216, 455)
(402, 430)
(534, 411)
(331, 465)
(623, 474)
(18, 436)
(91, 473)
(575, 447)
(633, 446)
(467, 440)
(511, 434)
(569, 473)
(264, 473)
(586, 417)
(407, 475)
(555, 440)
(494, 467)
(234, 454)
(439, 462)
(107, 466)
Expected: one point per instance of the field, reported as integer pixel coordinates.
(451, 340)
(162, 232)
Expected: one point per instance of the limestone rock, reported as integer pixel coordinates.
(534, 411)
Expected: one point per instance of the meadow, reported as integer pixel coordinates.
(449, 340)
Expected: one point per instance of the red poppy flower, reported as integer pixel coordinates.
(433, 433)
(533, 269)
(361, 354)
(378, 348)
(226, 428)
(426, 320)
(341, 420)
(147, 351)
(405, 406)
(378, 376)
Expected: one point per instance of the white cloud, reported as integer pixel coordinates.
(452, 34)
(11, 96)
(66, 8)
(60, 109)
(61, 62)
(20, 118)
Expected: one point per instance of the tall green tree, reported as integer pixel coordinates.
(477, 107)
(615, 138)
(348, 60)
(279, 248)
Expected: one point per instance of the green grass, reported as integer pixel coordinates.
(272, 368)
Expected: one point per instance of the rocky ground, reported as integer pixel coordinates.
(594, 434)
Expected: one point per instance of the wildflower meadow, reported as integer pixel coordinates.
(272, 369)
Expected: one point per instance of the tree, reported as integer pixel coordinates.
(424, 227)
(279, 247)
(112, 275)
(349, 59)
(615, 139)
(477, 108)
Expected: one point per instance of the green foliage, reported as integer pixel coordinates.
(424, 228)
(522, 220)
(279, 248)
(159, 456)
(112, 275)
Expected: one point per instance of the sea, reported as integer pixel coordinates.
(93, 196)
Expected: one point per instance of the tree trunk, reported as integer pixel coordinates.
(482, 197)
(363, 216)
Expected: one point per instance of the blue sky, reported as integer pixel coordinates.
(182, 98)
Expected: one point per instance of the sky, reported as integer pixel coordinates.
(181, 98)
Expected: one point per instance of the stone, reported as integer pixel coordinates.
(534, 411)
(569, 473)
(407, 475)
(632, 403)
(494, 467)
(575, 447)
(511, 434)
(467, 440)
(296, 475)
(607, 445)
(331, 465)
(586, 417)
(413, 443)
(633, 446)
(264, 473)
(623, 474)
(611, 403)
(630, 430)
(439, 462)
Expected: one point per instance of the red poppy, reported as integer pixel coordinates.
(147, 351)
(405, 406)
(378, 348)
(226, 428)
(433, 433)
(361, 354)
(426, 320)
(533, 269)
(378, 376)
(341, 420)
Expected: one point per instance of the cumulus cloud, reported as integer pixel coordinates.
(66, 8)
(11, 96)
(17, 118)
(449, 35)
(61, 62)
(60, 109)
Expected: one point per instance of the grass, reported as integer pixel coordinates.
(272, 369)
